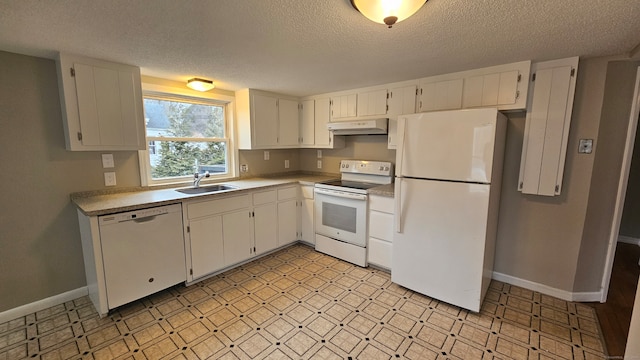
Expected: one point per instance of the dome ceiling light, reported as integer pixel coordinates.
(387, 12)
(200, 84)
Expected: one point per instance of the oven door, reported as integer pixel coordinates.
(341, 216)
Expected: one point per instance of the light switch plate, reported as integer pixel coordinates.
(319, 154)
(107, 161)
(586, 146)
(266, 155)
(110, 179)
(286, 164)
(319, 164)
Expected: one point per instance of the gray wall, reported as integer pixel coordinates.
(40, 251)
(360, 147)
(630, 224)
(612, 133)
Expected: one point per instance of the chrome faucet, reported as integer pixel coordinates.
(197, 178)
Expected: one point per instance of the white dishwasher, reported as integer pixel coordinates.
(142, 251)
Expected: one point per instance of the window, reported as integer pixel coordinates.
(185, 135)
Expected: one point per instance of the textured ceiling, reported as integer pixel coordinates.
(303, 47)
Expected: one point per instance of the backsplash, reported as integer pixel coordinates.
(360, 147)
(257, 165)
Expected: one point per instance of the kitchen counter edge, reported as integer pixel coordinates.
(97, 205)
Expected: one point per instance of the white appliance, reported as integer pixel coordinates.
(142, 251)
(341, 208)
(359, 127)
(447, 194)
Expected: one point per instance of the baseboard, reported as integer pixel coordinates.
(35, 306)
(628, 240)
(548, 290)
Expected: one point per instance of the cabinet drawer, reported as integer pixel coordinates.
(264, 197)
(288, 193)
(381, 203)
(380, 253)
(217, 206)
(381, 225)
(307, 192)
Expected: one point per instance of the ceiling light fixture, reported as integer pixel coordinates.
(387, 12)
(200, 84)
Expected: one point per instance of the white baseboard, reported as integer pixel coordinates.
(35, 306)
(628, 240)
(548, 290)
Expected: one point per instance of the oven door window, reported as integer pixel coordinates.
(339, 216)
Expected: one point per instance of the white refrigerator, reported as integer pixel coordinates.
(447, 195)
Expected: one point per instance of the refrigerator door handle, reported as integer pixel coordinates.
(398, 205)
(400, 146)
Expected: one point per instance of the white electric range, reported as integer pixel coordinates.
(341, 209)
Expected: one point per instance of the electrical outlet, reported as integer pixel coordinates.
(244, 168)
(319, 154)
(110, 179)
(107, 161)
(286, 164)
(319, 164)
(266, 155)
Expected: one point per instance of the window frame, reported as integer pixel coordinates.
(169, 93)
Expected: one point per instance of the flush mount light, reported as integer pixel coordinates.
(387, 12)
(200, 84)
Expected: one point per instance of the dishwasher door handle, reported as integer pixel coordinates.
(144, 219)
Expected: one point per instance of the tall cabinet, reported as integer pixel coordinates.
(101, 104)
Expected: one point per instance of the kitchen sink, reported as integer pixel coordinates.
(206, 189)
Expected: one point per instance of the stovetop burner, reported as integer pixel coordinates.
(351, 184)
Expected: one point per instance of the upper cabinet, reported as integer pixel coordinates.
(502, 86)
(266, 120)
(101, 104)
(343, 106)
(544, 148)
(371, 103)
(402, 100)
(315, 115)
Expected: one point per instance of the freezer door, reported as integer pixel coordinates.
(439, 242)
(447, 145)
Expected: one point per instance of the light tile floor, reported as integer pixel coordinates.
(300, 304)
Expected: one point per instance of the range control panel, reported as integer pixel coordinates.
(381, 168)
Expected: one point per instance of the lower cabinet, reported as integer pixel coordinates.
(380, 230)
(287, 215)
(225, 231)
(307, 215)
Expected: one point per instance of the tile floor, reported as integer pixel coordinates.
(300, 304)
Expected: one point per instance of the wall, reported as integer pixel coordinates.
(359, 147)
(258, 166)
(539, 237)
(40, 251)
(612, 133)
(630, 224)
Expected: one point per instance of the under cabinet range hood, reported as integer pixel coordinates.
(359, 127)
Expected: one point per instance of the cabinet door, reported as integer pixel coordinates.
(287, 222)
(372, 103)
(101, 103)
(237, 231)
(307, 221)
(322, 115)
(265, 224)
(207, 246)
(491, 89)
(307, 123)
(546, 133)
(402, 100)
(441, 95)
(344, 106)
(265, 120)
(288, 121)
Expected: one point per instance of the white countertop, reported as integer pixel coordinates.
(127, 201)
